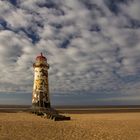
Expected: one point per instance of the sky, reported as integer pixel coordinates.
(92, 46)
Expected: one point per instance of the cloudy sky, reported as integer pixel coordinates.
(92, 46)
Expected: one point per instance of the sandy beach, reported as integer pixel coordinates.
(104, 126)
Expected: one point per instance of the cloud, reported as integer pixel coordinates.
(89, 46)
(132, 9)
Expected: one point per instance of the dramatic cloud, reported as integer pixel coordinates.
(92, 46)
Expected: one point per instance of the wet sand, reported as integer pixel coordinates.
(98, 126)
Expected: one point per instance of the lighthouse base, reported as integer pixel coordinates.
(40, 106)
(50, 113)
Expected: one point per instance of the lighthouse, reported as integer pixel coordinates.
(40, 95)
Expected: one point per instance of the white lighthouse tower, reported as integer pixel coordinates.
(40, 96)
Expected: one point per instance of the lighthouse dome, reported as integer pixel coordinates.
(41, 57)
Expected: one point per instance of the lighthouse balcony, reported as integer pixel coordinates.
(41, 65)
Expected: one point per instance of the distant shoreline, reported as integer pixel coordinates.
(74, 109)
(74, 106)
